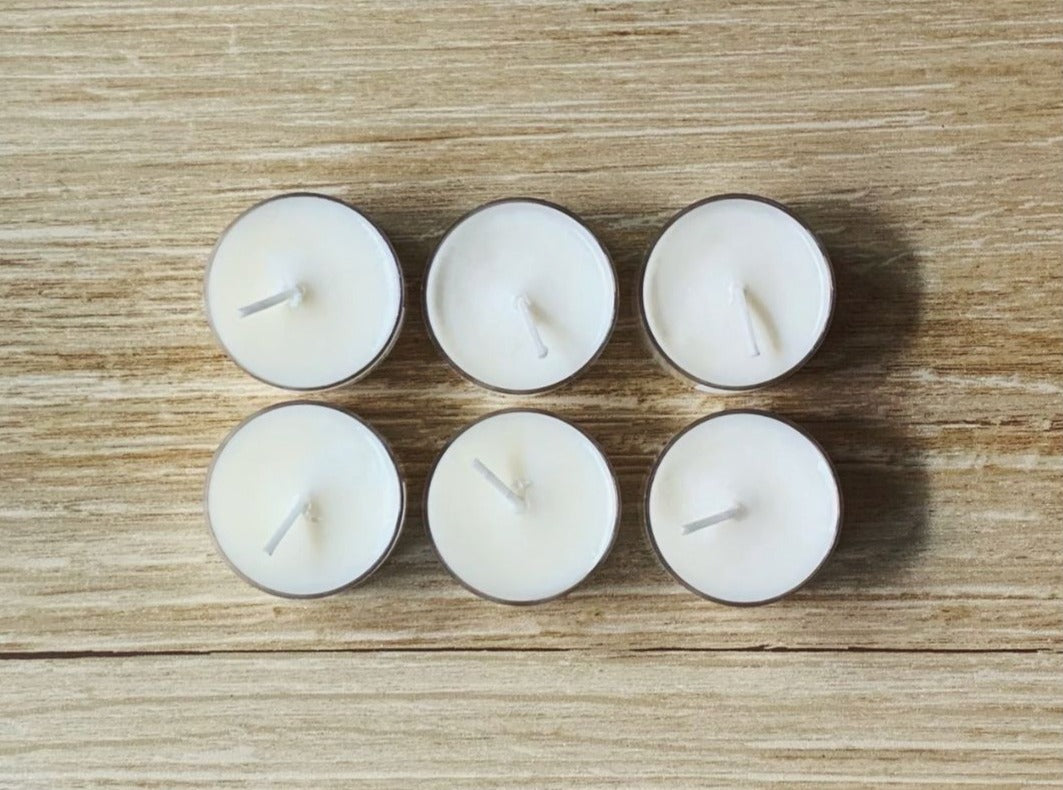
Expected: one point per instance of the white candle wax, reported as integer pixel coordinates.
(736, 293)
(743, 507)
(304, 499)
(520, 296)
(304, 292)
(522, 506)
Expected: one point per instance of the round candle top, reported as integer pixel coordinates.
(522, 506)
(736, 292)
(304, 499)
(743, 507)
(304, 292)
(520, 296)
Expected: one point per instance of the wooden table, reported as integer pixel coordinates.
(924, 141)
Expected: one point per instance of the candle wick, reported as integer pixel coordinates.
(738, 295)
(293, 296)
(524, 307)
(716, 518)
(302, 506)
(515, 499)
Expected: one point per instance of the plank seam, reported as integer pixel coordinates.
(78, 654)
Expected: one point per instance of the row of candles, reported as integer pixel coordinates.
(303, 499)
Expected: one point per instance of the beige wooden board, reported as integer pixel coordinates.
(536, 720)
(923, 141)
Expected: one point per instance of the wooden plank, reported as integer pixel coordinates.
(922, 141)
(513, 719)
(966, 584)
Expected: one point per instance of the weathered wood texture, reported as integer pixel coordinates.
(924, 141)
(535, 720)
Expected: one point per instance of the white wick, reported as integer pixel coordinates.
(294, 295)
(524, 307)
(302, 506)
(738, 294)
(514, 498)
(716, 518)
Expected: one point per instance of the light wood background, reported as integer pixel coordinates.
(923, 140)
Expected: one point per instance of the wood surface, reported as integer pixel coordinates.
(533, 719)
(922, 140)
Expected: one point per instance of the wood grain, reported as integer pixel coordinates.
(922, 140)
(535, 720)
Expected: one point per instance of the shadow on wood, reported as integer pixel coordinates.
(885, 491)
(877, 314)
(879, 282)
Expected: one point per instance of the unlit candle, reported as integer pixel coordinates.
(735, 293)
(304, 292)
(520, 296)
(304, 499)
(743, 507)
(521, 506)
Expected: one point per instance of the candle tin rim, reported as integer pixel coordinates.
(656, 345)
(614, 534)
(396, 328)
(346, 585)
(506, 390)
(648, 528)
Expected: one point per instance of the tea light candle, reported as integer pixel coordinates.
(520, 296)
(743, 507)
(521, 506)
(304, 292)
(304, 499)
(736, 293)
